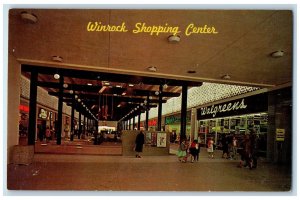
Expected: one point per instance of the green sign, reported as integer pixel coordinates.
(176, 119)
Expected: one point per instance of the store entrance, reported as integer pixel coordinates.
(41, 129)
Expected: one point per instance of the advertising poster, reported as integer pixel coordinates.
(153, 139)
(161, 140)
(148, 138)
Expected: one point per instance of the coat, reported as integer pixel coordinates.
(139, 142)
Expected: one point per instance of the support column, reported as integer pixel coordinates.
(183, 112)
(129, 124)
(133, 122)
(97, 127)
(80, 127)
(194, 132)
(84, 124)
(32, 108)
(72, 118)
(87, 124)
(139, 122)
(159, 108)
(147, 113)
(60, 107)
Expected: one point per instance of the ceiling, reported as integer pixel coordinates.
(106, 96)
(241, 49)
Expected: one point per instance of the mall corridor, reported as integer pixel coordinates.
(149, 173)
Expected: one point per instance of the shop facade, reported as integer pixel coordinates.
(173, 125)
(235, 118)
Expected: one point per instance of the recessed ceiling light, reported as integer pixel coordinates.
(191, 71)
(152, 69)
(226, 77)
(89, 84)
(65, 85)
(124, 93)
(57, 58)
(277, 54)
(106, 83)
(130, 85)
(29, 17)
(174, 38)
(118, 86)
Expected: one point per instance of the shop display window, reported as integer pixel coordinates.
(237, 126)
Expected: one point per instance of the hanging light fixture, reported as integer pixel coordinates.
(56, 76)
(65, 85)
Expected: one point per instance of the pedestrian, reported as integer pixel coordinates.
(253, 149)
(246, 157)
(234, 147)
(210, 148)
(193, 150)
(48, 134)
(139, 143)
(182, 154)
(225, 146)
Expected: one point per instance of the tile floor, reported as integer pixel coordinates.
(52, 172)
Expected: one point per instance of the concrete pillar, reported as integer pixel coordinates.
(279, 117)
(147, 113)
(194, 132)
(60, 109)
(13, 102)
(32, 108)
(183, 112)
(159, 108)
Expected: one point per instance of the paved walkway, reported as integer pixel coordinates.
(151, 173)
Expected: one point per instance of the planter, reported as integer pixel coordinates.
(23, 155)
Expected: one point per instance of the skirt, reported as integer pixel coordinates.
(181, 153)
(210, 150)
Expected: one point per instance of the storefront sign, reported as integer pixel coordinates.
(23, 108)
(176, 119)
(251, 104)
(223, 108)
(152, 122)
(280, 133)
(142, 27)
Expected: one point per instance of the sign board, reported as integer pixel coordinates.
(280, 134)
(252, 104)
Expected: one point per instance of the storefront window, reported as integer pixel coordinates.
(236, 126)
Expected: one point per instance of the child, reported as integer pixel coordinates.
(182, 155)
(193, 151)
(210, 148)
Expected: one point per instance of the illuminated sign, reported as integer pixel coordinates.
(223, 108)
(152, 122)
(141, 27)
(176, 119)
(24, 108)
(43, 113)
(252, 104)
